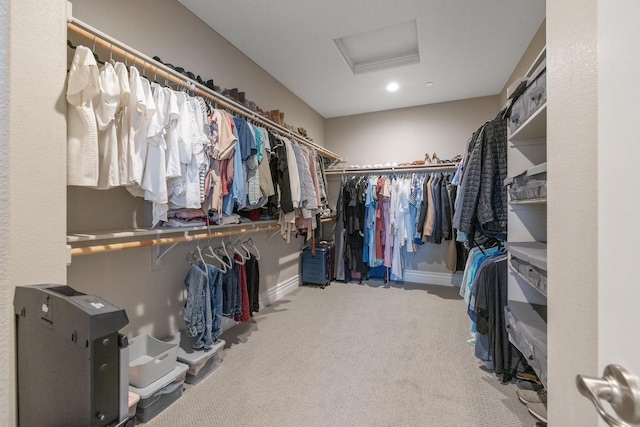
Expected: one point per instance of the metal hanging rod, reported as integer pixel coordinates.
(109, 43)
(398, 169)
(96, 249)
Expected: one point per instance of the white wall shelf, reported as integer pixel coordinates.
(108, 241)
(115, 235)
(535, 128)
(527, 230)
(529, 202)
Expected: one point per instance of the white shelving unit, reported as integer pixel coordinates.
(527, 237)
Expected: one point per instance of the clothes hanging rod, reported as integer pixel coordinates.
(118, 48)
(398, 169)
(96, 249)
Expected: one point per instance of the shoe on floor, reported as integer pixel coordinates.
(527, 385)
(538, 410)
(531, 396)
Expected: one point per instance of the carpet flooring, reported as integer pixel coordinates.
(351, 355)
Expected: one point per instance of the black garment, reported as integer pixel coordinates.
(447, 213)
(436, 236)
(354, 197)
(253, 283)
(484, 203)
(423, 207)
(462, 253)
(339, 236)
(280, 173)
(491, 297)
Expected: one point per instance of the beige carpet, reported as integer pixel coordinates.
(351, 355)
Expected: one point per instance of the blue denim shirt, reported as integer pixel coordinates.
(195, 310)
(230, 282)
(215, 295)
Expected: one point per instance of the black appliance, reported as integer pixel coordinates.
(67, 357)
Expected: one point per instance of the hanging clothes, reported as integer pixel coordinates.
(82, 133)
(231, 294)
(106, 106)
(180, 153)
(483, 204)
(245, 309)
(489, 297)
(379, 220)
(122, 119)
(252, 268)
(203, 308)
(339, 236)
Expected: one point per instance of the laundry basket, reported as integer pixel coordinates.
(150, 359)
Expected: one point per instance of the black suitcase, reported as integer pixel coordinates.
(332, 258)
(315, 268)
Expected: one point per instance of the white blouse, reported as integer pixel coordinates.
(106, 106)
(139, 107)
(122, 123)
(82, 132)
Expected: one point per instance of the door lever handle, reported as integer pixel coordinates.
(618, 387)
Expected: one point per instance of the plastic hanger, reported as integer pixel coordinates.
(240, 261)
(252, 246)
(246, 249)
(197, 256)
(224, 254)
(246, 255)
(212, 254)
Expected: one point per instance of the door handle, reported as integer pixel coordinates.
(620, 388)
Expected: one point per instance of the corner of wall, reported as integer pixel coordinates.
(536, 44)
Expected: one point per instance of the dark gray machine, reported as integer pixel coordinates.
(68, 357)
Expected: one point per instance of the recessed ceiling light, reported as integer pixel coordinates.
(392, 87)
(429, 83)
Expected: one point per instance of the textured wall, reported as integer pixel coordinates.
(7, 396)
(406, 134)
(572, 206)
(33, 177)
(532, 52)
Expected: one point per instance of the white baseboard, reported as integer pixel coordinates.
(279, 291)
(430, 278)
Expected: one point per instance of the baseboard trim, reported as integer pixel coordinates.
(279, 291)
(431, 278)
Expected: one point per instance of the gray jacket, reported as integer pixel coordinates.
(484, 202)
(308, 196)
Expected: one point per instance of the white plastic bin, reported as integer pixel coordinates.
(201, 362)
(150, 359)
(160, 394)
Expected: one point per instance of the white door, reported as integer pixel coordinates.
(618, 184)
(593, 143)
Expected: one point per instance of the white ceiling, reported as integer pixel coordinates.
(468, 48)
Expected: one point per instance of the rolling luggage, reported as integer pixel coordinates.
(315, 268)
(332, 258)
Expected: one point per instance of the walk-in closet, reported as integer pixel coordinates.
(310, 215)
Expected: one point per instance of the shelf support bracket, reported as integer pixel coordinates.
(160, 254)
